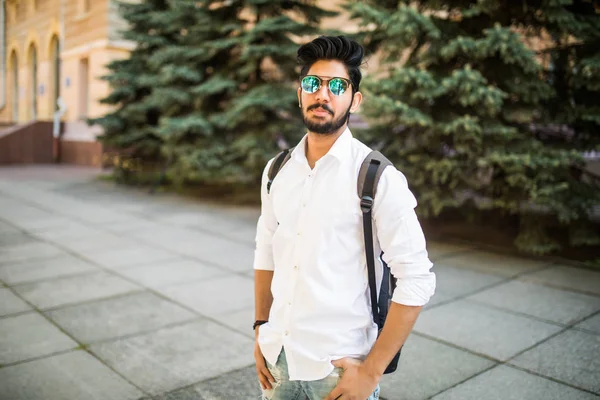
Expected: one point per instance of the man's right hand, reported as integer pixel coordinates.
(264, 375)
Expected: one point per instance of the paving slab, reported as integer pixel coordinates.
(172, 358)
(240, 384)
(123, 257)
(240, 320)
(103, 240)
(70, 376)
(438, 250)
(572, 357)
(438, 298)
(454, 282)
(483, 330)
(578, 279)
(36, 219)
(494, 263)
(164, 273)
(540, 301)
(30, 335)
(74, 289)
(116, 317)
(506, 383)
(11, 304)
(66, 230)
(28, 251)
(234, 257)
(591, 324)
(129, 224)
(44, 268)
(215, 296)
(427, 367)
(16, 238)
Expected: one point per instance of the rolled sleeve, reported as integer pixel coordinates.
(267, 223)
(402, 241)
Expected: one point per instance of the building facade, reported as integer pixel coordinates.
(59, 49)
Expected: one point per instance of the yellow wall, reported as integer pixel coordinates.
(85, 35)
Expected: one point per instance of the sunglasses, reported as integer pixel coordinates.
(312, 83)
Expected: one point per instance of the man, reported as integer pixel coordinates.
(315, 335)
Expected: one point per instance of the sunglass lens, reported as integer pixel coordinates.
(311, 84)
(338, 86)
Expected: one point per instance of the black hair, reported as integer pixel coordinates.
(338, 48)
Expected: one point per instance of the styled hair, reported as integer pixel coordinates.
(338, 48)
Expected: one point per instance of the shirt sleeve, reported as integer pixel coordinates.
(265, 228)
(402, 241)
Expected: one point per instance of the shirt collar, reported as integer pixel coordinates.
(339, 150)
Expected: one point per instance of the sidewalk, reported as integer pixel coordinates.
(109, 293)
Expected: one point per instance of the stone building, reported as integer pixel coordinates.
(59, 48)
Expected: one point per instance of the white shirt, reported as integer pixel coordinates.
(310, 234)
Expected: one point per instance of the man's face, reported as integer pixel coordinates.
(322, 111)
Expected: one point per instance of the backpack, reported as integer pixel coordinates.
(370, 171)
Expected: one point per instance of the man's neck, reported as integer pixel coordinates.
(317, 145)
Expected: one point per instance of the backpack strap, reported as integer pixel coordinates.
(368, 178)
(277, 164)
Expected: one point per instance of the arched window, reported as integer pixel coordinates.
(14, 85)
(54, 81)
(33, 82)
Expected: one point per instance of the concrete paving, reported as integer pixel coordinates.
(108, 292)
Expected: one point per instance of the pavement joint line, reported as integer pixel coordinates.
(550, 378)
(465, 380)
(17, 314)
(92, 301)
(522, 314)
(193, 319)
(455, 346)
(53, 278)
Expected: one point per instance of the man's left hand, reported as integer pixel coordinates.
(356, 383)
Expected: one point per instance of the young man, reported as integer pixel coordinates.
(315, 335)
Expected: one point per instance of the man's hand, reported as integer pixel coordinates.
(264, 375)
(356, 383)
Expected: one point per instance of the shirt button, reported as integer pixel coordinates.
(286, 333)
(289, 303)
(295, 267)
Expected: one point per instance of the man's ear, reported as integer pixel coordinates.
(356, 100)
(299, 97)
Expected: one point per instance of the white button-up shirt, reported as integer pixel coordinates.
(310, 234)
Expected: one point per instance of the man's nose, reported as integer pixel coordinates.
(323, 94)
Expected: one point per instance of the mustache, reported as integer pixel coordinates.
(323, 106)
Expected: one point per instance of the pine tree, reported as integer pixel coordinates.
(130, 125)
(246, 102)
(454, 103)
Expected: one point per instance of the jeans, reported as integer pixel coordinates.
(284, 389)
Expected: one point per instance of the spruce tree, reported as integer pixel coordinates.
(130, 125)
(453, 105)
(245, 99)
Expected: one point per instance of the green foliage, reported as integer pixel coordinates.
(458, 92)
(216, 77)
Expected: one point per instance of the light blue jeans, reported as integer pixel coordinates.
(284, 389)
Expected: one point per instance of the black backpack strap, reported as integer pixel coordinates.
(277, 164)
(368, 178)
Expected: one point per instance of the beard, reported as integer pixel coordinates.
(325, 128)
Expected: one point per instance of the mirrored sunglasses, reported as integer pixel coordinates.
(312, 83)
